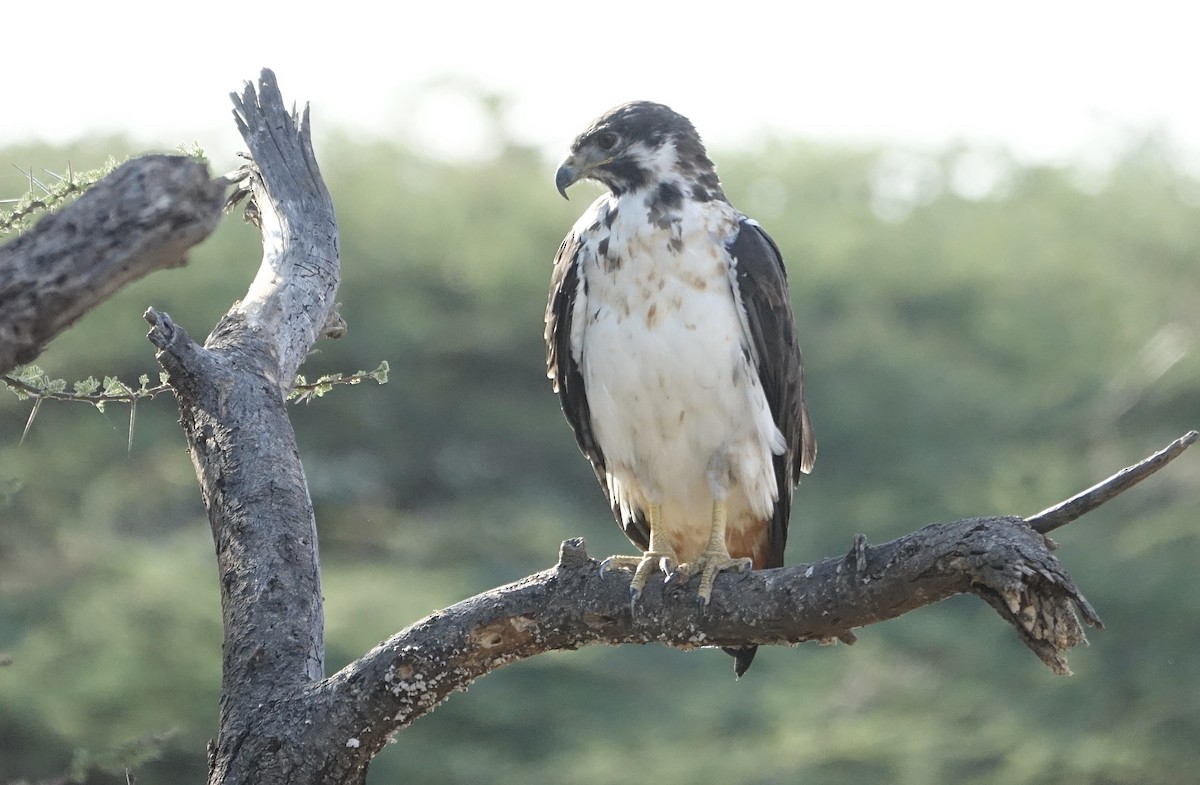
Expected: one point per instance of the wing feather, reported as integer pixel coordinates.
(763, 295)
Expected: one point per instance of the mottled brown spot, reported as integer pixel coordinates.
(504, 635)
(652, 317)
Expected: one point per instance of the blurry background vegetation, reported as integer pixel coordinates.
(980, 337)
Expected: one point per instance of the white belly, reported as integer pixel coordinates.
(676, 406)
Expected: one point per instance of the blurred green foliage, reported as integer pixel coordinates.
(980, 337)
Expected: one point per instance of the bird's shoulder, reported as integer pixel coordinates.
(646, 225)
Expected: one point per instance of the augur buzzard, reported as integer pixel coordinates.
(671, 343)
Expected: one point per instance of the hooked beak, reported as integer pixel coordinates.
(566, 176)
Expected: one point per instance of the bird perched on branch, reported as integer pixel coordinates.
(672, 346)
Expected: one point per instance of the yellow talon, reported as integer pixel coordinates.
(715, 558)
(659, 557)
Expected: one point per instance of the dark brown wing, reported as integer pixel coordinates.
(562, 367)
(763, 295)
(761, 292)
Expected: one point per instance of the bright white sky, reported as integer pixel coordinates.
(1046, 79)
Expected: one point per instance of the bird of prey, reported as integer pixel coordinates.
(672, 346)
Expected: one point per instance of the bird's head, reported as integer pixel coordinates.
(634, 145)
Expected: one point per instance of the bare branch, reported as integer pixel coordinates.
(1005, 561)
(1000, 559)
(1084, 502)
(231, 397)
(142, 217)
(292, 297)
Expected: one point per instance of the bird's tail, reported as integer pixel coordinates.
(742, 657)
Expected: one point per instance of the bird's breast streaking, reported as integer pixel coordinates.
(677, 408)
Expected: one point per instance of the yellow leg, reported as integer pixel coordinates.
(715, 558)
(660, 557)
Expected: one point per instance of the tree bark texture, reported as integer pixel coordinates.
(142, 217)
(231, 394)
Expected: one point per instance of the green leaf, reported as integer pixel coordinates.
(116, 388)
(29, 374)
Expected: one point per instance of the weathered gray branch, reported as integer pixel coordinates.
(231, 397)
(1004, 561)
(572, 605)
(142, 217)
(291, 298)
(283, 721)
(1085, 501)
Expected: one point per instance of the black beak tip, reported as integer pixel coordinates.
(564, 178)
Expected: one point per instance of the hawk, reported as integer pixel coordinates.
(672, 346)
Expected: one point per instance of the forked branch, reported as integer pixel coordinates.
(1006, 561)
(282, 720)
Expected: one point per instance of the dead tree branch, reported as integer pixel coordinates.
(231, 395)
(1084, 502)
(142, 217)
(1005, 561)
(282, 720)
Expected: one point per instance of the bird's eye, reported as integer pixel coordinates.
(606, 141)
